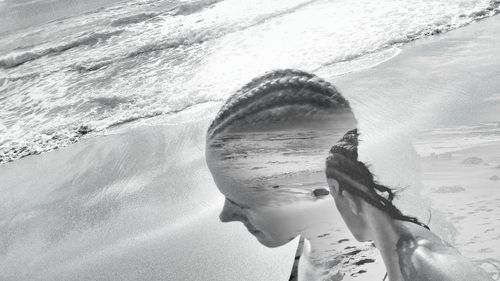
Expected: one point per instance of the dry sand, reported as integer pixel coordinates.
(137, 205)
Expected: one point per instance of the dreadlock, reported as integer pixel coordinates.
(352, 175)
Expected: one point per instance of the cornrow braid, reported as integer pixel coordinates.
(352, 175)
(271, 75)
(288, 89)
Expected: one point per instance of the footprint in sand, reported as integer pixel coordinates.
(364, 261)
(473, 161)
(355, 274)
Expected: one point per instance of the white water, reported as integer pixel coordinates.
(148, 58)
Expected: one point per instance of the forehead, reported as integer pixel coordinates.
(275, 166)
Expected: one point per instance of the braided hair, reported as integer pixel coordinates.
(352, 175)
(296, 92)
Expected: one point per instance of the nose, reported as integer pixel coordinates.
(230, 212)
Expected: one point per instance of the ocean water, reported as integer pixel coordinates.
(67, 68)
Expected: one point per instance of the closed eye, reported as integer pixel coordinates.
(237, 204)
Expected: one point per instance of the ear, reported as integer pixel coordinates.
(333, 185)
(353, 202)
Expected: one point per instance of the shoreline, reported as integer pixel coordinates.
(54, 139)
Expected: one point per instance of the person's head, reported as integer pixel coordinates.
(266, 147)
(357, 196)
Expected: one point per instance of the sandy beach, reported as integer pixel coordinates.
(471, 201)
(105, 209)
(138, 202)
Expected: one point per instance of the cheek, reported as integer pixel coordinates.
(275, 223)
(351, 220)
(340, 204)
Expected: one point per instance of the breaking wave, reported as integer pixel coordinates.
(201, 36)
(19, 58)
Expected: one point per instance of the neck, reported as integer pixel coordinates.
(386, 233)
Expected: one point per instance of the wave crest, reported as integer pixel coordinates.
(194, 7)
(18, 58)
(133, 19)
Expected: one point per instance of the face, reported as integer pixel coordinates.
(272, 227)
(271, 177)
(352, 210)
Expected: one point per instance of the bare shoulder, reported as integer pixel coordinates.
(425, 257)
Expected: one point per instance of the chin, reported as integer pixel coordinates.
(270, 243)
(359, 237)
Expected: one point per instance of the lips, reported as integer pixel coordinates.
(255, 232)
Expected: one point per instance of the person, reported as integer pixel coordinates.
(410, 251)
(265, 150)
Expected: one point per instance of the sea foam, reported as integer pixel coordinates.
(17, 58)
(161, 58)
